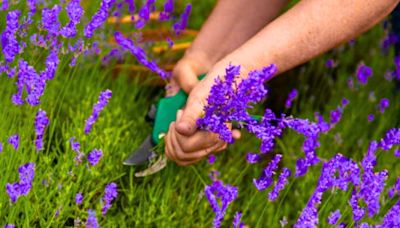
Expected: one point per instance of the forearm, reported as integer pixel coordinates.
(307, 30)
(231, 23)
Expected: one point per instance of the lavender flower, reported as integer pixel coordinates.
(336, 115)
(76, 146)
(392, 217)
(4, 6)
(330, 63)
(9, 41)
(23, 187)
(252, 158)
(292, 95)
(371, 117)
(334, 217)
(50, 20)
(397, 153)
(97, 108)
(94, 157)
(14, 141)
(41, 122)
(180, 25)
(397, 65)
(75, 12)
(391, 138)
(282, 181)
(98, 18)
(266, 177)
(1, 147)
(211, 159)
(110, 193)
(237, 223)
(363, 73)
(345, 102)
(383, 104)
(92, 220)
(226, 193)
(79, 198)
(168, 10)
(144, 13)
(9, 226)
(140, 55)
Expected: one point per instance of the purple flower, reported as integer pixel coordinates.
(336, 115)
(280, 185)
(211, 158)
(41, 122)
(23, 187)
(75, 12)
(168, 10)
(1, 147)
(388, 41)
(50, 20)
(170, 42)
(180, 25)
(98, 18)
(110, 193)
(14, 141)
(226, 193)
(94, 157)
(76, 146)
(292, 95)
(140, 55)
(92, 220)
(330, 63)
(266, 177)
(9, 226)
(345, 102)
(363, 73)
(350, 83)
(144, 13)
(371, 117)
(4, 6)
(392, 217)
(334, 217)
(237, 223)
(79, 198)
(9, 40)
(383, 104)
(391, 138)
(97, 108)
(397, 153)
(252, 158)
(397, 65)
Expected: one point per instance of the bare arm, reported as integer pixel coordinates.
(231, 23)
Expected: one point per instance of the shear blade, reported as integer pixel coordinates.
(153, 168)
(143, 154)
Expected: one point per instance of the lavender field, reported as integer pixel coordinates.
(78, 77)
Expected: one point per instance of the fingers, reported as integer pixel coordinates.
(185, 76)
(194, 107)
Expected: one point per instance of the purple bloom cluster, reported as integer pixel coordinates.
(94, 157)
(41, 122)
(363, 73)
(383, 104)
(266, 177)
(79, 198)
(144, 13)
(140, 55)
(227, 103)
(397, 65)
(180, 25)
(395, 189)
(14, 141)
(280, 184)
(168, 10)
(237, 223)
(334, 217)
(75, 13)
(391, 138)
(9, 42)
(23, 187)
(226, 193)
(253, 158)
(76, 146)
(98, 18)
(110, 193)
(92, 220)
(98, 107)
(50, 20)
(291, 96)
(330, 63)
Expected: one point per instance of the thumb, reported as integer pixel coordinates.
(186, 124)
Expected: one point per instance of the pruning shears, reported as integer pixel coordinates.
(161, 114)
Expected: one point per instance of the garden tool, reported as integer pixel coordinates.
(161, 114)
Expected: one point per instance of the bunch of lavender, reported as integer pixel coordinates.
(266, 176)
(225, 193)
(41, 122)
(140, 55)
(75, 13)
(180, 25)
(168, 10)
(50, 20)
(9, 42)
(13, 140)
(98, 18)
(94, 157)
(98, 107)
(228, 102)
(92, 220)
(23, 187)
(110, 193)
(280, 184)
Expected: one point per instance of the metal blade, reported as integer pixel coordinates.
(143, 154)
(154, 168)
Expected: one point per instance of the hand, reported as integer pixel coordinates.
(185, 143)
(185, 73)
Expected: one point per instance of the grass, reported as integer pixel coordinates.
(173, 197)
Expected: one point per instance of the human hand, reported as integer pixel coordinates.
(185, 143)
